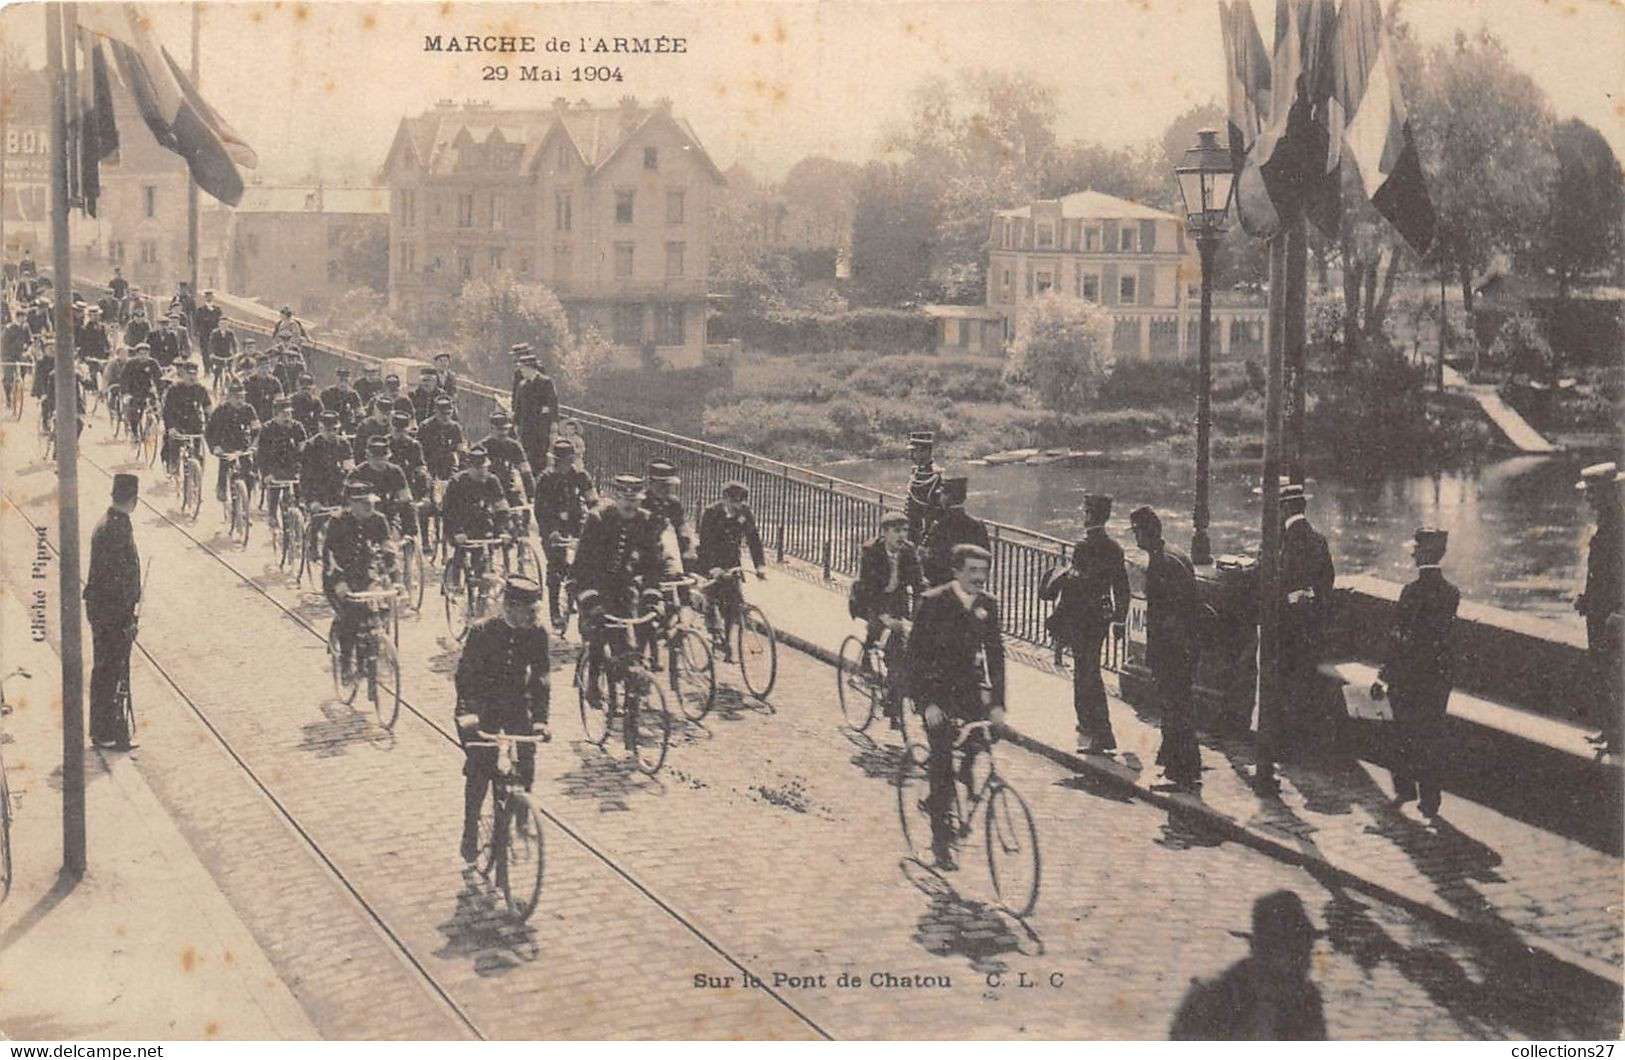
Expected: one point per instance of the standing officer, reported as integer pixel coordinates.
(949, 528)
(343, 399)
(1091, 599)
(446, 378)
(1170, 647)
(1417, 671)
(535, 407)
(112, 598)
(1307, 577)
(501, 687)
(924, 483)
(955, 673)
(1601, 600)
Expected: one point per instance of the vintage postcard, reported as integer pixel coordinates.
(812, 520)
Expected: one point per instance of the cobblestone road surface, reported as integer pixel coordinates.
(771, 836)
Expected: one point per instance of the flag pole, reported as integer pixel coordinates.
(191, 182)
(1296, 337)
(61, 24)
(1269, 560)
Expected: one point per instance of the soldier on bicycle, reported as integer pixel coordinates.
(232, 428)
(324, 464)
(186, 411)
(955, 675)
(356, 556)
(724, 528)
(508, 462)
(501, 687)
(139, 381)
(307, 405)
(277, 454)
(662, 502)
(440, 438)
(388, 482)
(475, 505)
(341, 398)
(564, 495)
(619, 551)
(406, 454)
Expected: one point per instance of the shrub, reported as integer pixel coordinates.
(1060, 349)
(378, 335)
(1522, 350)
(795, 331)
(956, 379)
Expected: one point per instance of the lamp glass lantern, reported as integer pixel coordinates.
(1207, 179)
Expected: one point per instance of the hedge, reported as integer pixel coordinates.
(1586, 331)
(800, 331)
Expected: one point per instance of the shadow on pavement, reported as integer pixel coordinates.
(953, 925)
(606, 779)
(481, 929)
(340, 727)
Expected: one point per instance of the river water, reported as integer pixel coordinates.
(1518, 527)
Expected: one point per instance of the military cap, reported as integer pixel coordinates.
(564, 447)
(921, 438)
(392, 378)
(627, 484)
(208, 290)
(954, 491)
(1428, 540)
(519, 349)
(360, 491)
(282, 403)
(401, 419)
(1598, 475)
(94, 311)
(521, 590)
(143, 346)
(235, 387)
(342, 373)
(377, 444)
(125, 486)
(427, 372)
(893, 519)
(1097, 508)
(500, 418)
(374, 368)
(187, 366)
(1292, 491)
(735, 490)
(442, 402)
(305, 379)
(477, 455)
(330, 419)
(442, 356)
(661, 471)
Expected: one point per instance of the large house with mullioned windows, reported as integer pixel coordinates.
(1132, 259)
(607, 206)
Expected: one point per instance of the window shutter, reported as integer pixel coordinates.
(1108, 283)
(1148, 236)
(1108, 238)
(1148, 285)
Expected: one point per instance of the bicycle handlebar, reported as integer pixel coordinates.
(493, 739)
(970, 727)
(628, 623)
(480, 542)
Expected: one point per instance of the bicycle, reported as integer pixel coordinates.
(144, 438)
(519, 556)
(5, 792)
(468, 587)
(288, 526)
(376, 651)
(561, 559)
(755, 645)
(189, 467)
(692, 670)
(17, 373)
(641, 710)
(314, 533)
(413, 575)
(865, 682)
(114, 404)
(511, 845)
(236, 503)
(1011, 836)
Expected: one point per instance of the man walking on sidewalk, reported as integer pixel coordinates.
(112, 591)
(1171, 648)
(1091, 600)
(1605, 567)
(1307, 577)
(1418, 671)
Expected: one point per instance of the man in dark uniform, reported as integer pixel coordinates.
(289, 329)
(1171, 648)
(509, 461)
(950, 527)
(324, 464)
(290, 365)
(15, 341)
(1417, 672)
(1601, 602)
(183, 303)
(445, 378)
(387, 482)
(1091, 600)
(501, 687)
(186, 411)
(661, 500)
(423, 395)
(375, 425)
(278, 450)
(221, 344)
(91, 345)
(370, 385)
(356, 556)
(343, 399)
(307, 405)
(109, 306)
(924, 484)
(1307, 577)
(888, 588)
(475, 505)
(232, 428)
(206, 317)
(112, 598)
(406, 454)
(262, 389)
(395, 401)
(118, 285)
(725, 527)
(535, 407)
(1267, 996)
(166, 348)
(183, 334)
(138, 330)
(139, 381)
(564, 495)
(440, 439)
(619, 547)
(955, 673)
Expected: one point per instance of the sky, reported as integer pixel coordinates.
(319, 88)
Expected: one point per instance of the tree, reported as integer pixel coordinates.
(892, 237)
(495, 311)
(1587, 207)
(818, 195)
(376, 334)
(363, 255)
(1060, 350)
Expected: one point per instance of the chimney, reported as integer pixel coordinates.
(663, 105)
(561, 103)
(629, 111)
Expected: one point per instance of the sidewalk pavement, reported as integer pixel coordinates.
(144, 947)
(1474, 866)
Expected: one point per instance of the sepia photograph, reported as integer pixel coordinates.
(882, 520)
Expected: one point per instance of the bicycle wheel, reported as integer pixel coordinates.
(912, 789)
(758, 651)
(913, 734)
(451, 592)
(386, 670)
(597, 703)
(343, 687)
(192, 489)
(857, 688)
(692, 675)
(1012, 849)
(412, 574)
(652, 734)
(293, 538)
(242, 524)
(524, 858)
(149, 441)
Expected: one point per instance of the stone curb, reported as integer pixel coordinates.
(1260, 841)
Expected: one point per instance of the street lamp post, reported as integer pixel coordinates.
(1206, 178)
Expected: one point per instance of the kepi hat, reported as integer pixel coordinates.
(522, 590)
(1428, 540)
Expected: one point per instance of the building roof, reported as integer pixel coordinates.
(596, 133)
(260, 198)
(1095, 206)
